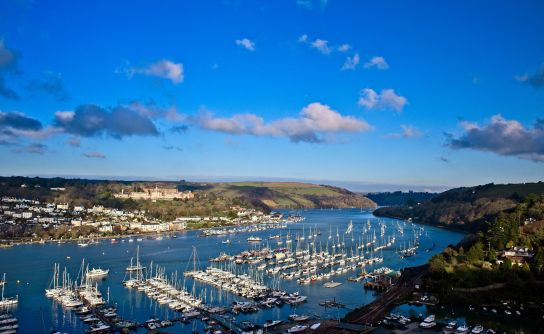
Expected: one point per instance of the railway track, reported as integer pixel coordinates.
(374, 311)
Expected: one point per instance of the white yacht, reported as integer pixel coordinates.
(7, 301)
(270, 324)
(462, 329)
(297, 329)
(97, 272)
(428, 322)
(478, 329)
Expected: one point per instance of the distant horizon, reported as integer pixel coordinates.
(354, 186)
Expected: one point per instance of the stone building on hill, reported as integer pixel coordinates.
(156, 194)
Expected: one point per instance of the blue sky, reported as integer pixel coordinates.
(368, 94)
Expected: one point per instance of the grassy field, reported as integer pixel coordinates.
(289, 195)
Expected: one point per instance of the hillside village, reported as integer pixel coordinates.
(29, 219)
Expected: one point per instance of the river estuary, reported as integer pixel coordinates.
(29, 268)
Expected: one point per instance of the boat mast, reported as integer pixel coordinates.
(3, 285)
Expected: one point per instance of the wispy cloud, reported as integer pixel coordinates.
(152, 110)
(535, 80)
(321, 45)
(7, 92)
(351, 62)
(172, 147)
(51, 83)
(8, 57)
(94, 155)
(503, 137)
(303, 38)
(33, 148)
(386, 99)
(311, 4)
(377, 62)
(312, 124)
(74, 141)
(179, 129)
(344, 48)
(8, 66)
(164, 69)
(246, 43)
(408, 131)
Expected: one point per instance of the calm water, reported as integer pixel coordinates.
(29, 270)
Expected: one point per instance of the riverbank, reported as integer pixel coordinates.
(449, 227)
(6, 243)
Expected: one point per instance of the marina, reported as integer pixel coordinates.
(279, 280)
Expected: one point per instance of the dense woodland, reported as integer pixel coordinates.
(397, 198)
(473, 263)
(465, 208)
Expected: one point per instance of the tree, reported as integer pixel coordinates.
(476, 252)
(492, 255)
(507, 264)
(538, 261)
(437, 264)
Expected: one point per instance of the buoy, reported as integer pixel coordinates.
(18, 281)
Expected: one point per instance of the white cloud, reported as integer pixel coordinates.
(313, 122)
(378, 62)
(467, 126)
(408, 131)
(246, 43)
(65, 116)
(351, 62)
(164, 69)
(522, 77)
(311, 4)
(536, 80)
(321, 45)
(386, 99)
(504, 137)
(344, 48)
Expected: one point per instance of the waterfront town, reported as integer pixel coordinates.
(23, 219)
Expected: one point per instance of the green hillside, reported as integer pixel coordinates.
(275, 195)
(210, 198)
(466, 208)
